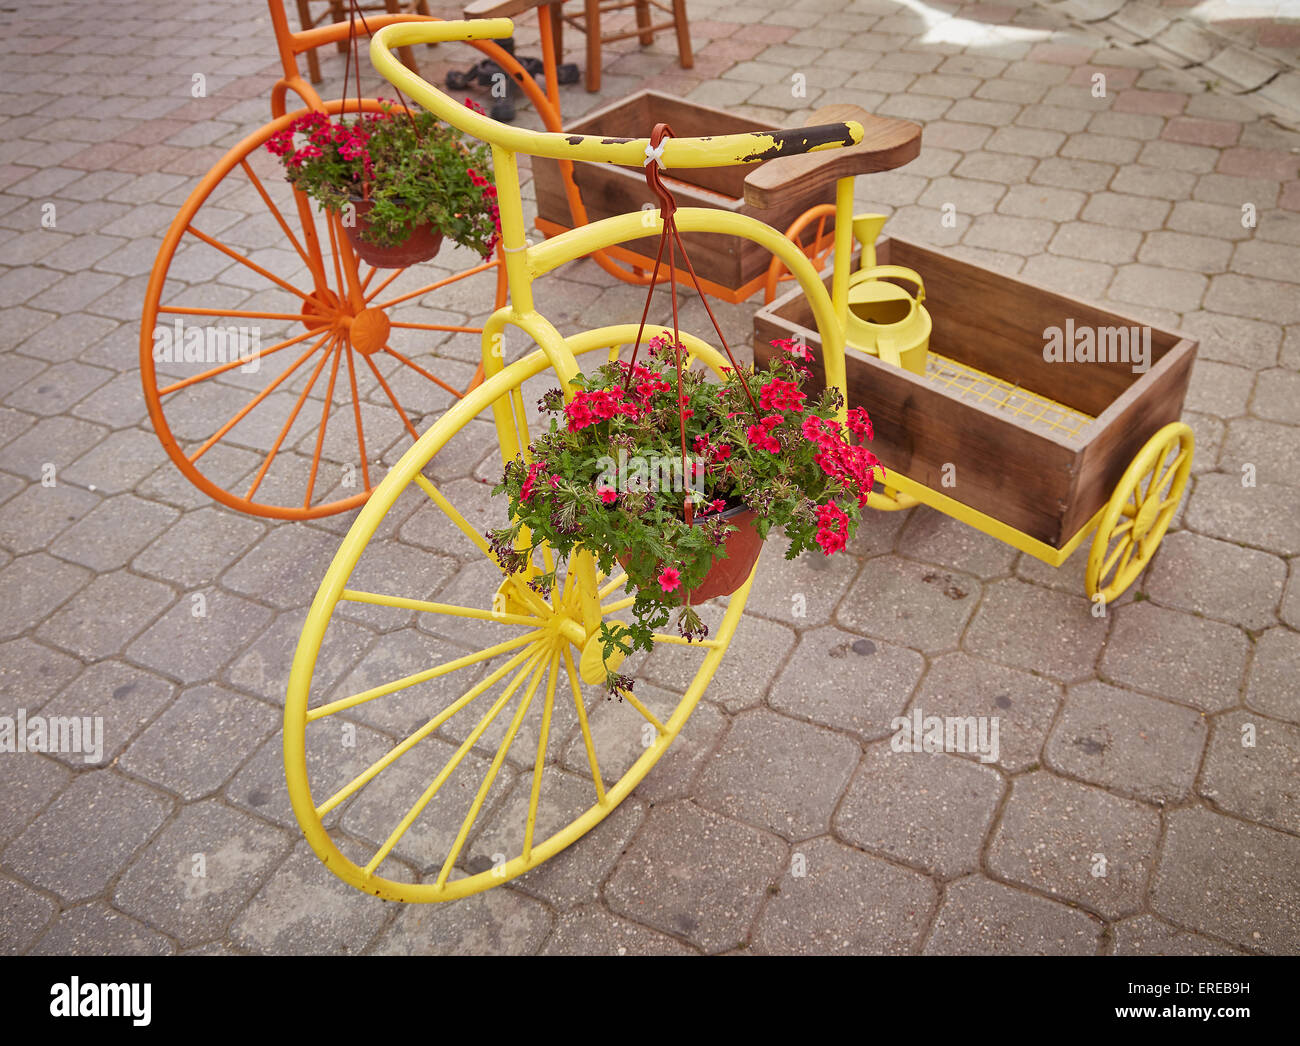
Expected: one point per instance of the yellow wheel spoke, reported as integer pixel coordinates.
(320, 711)
(1110, 559)
(646, 714)
(1173, 465)
(1122, 528)
(614, 608)
(493, 769)
(592, 761)
(1128, 554)
(540, 762)
(423, 605)
(613, 585)
(666, 637)
(418, 807)
(450, 511)
(387, 760)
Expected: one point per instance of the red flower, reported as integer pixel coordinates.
(860, 424)
(670, 579)
(760, 437)
(781, 395)
(832, 527)
(607, 494)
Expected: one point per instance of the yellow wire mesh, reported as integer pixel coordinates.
(1028, 408)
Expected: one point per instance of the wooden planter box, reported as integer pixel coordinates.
(607, 190)
(1011, 456)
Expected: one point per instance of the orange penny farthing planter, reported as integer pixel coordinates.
(278, 366)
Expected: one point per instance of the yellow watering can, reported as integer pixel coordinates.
(883, 318)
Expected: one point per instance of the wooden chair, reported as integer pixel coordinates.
(338, 11)
(589, 23)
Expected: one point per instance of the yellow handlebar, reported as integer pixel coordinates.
(721, 151)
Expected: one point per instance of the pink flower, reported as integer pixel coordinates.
(781, 395)
(762, 439)
(832, 527)
(670, 579)
(607, 494)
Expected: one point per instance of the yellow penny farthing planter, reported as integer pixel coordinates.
(496, 696)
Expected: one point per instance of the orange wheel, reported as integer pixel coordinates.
(279, 369)
(814, 233)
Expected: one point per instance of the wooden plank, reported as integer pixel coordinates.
(1125, 426)
(886, 143)
(1016, 475)
(997, 323)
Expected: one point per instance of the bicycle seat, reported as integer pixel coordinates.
(886, 144)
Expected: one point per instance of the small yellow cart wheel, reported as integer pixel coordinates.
(495, 758)
(1139, 511)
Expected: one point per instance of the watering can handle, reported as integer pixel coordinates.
(878, 271)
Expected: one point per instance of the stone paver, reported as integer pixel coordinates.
(1185, 658)
(1231, 879)
(930, 810)
(1131, 744)
(127, 594)
(843, 902)
(982, 917)
(87, 835)
(720, 871)
(778, 773)
(1253, 769)
(1076, 842)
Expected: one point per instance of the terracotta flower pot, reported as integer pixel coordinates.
(740, 551)
(423, 243)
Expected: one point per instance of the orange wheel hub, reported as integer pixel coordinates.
(369, 331)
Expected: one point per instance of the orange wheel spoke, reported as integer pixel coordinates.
(383, 283)
(405, 420)
(356, 410)
(324, 420)
(420, 370)
(177, 386)
(335, 241)
(293, 317)
(434, 286)
(243, 260)
(369, 276)
(293, 416)
(257, 184)
(438, 327)
(243, 413)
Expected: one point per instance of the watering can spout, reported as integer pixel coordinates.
(866, 230)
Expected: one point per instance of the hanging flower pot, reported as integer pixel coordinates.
(424, 242)
(610, 476)
(408, 180)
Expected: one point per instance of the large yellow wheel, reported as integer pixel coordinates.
(469, 750)
(1139, 512)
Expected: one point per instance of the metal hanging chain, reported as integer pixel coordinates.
(671, 237)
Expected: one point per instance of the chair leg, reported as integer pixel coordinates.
(339, 13)
(643, 22)
(557, 30)
(684, 54)
(313, 63)
(592, 25)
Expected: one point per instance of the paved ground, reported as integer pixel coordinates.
(1127, 811)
